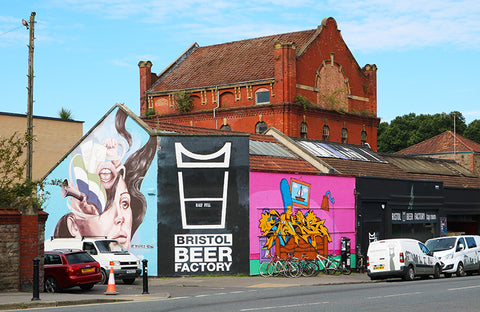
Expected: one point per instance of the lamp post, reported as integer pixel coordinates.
(30, 25)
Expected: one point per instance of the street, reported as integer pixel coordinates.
(445, 294)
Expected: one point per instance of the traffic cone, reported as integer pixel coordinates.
(111, 284)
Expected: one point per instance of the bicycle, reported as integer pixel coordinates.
(330, 265)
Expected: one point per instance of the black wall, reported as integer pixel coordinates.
(200, 244)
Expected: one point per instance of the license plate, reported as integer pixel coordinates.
(131, 271)
(88, 270)
(379, 267)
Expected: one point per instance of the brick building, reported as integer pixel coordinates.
(448, 145)
(305, 84)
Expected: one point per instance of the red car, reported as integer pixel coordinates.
(65, 268)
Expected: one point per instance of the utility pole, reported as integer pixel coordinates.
(30, 95)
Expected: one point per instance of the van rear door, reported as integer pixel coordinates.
(381, 256)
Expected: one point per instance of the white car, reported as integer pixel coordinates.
(459, 254)
(404, 257)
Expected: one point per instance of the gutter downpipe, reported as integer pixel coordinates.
(218, 105)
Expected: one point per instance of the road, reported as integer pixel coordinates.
(453, 294)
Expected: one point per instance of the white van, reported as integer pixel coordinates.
(459, 254)
(404, 257)
(107, 252)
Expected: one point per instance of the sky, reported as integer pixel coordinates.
(87, 51)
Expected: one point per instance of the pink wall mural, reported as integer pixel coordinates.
(301, 214)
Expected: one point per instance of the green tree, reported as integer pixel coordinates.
(15, 190)
(473, 131)
(65, 114)
(407, 130)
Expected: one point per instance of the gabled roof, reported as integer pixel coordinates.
(354, 160)
(443, 143)
(266, 153)
(233, 62)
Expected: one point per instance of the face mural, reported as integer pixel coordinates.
(102, 187)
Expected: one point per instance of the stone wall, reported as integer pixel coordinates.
(22, 241)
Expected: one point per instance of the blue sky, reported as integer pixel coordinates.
(87, 51)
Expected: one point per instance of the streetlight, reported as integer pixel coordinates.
(30, 95)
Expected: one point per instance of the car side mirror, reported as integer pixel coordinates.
(460, 247)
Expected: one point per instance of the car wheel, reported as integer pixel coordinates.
(447, 275)
(409, 274)
(51, 285)
(87, 286)
(128, 281)
(436, 272)
(104, 279)
(460, 270)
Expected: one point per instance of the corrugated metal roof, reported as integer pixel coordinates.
(429, 166)
(337, 150)
(269, 149)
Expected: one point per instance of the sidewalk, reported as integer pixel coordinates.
(159, 288)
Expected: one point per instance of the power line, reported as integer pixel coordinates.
(11, 30)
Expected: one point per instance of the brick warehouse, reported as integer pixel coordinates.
(306, 84)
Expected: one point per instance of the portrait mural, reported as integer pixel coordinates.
(105, 178)
(299, 214)
(203, 205)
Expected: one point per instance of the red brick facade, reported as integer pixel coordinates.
(22, 241)
(223, 82)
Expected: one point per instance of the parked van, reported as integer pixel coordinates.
(405, 258)
(459, 254)
(107, 252)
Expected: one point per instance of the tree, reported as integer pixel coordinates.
(407, 130)
(473, 131)
(65, 114)
(15, 190)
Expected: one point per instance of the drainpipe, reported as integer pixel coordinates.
(218, 105)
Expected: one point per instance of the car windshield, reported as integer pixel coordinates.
(440, 244)
(108, 246)
(79, 257)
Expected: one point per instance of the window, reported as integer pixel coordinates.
(303, 130)
(325, 133)
(262, 97)
(344, 135)
(226, 128)
(363, 137)
(260, 127)
(53, 259)
(471, 242)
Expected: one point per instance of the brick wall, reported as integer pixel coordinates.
(22, 241)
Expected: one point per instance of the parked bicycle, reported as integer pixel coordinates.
(331, 265)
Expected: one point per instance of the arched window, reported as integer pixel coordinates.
(325, 133)
(344, 135)
(226, 128)
(303, 130)
(260, 127)
(363, 137)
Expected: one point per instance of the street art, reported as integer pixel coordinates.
(299, 226)
(203, 207)
(300, 215)
(101, 188)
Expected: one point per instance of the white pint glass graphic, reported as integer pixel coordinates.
(201, 161)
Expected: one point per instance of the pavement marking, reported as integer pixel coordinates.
(264, 285)
(466, 287)
(395, 295)
(285, 306)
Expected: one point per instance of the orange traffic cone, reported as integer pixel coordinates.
(111, 284)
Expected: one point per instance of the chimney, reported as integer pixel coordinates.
(285, 72)
(370, 89)
(145, 84)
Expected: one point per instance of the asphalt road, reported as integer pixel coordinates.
(453, 294)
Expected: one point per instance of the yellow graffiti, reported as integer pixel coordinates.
(299, 226)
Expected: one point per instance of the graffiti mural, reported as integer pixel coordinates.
(303, 215)
(104, 181)
(203, 206)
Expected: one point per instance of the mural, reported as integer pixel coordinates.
(203, 205)
(304, 215)
(102, 193)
